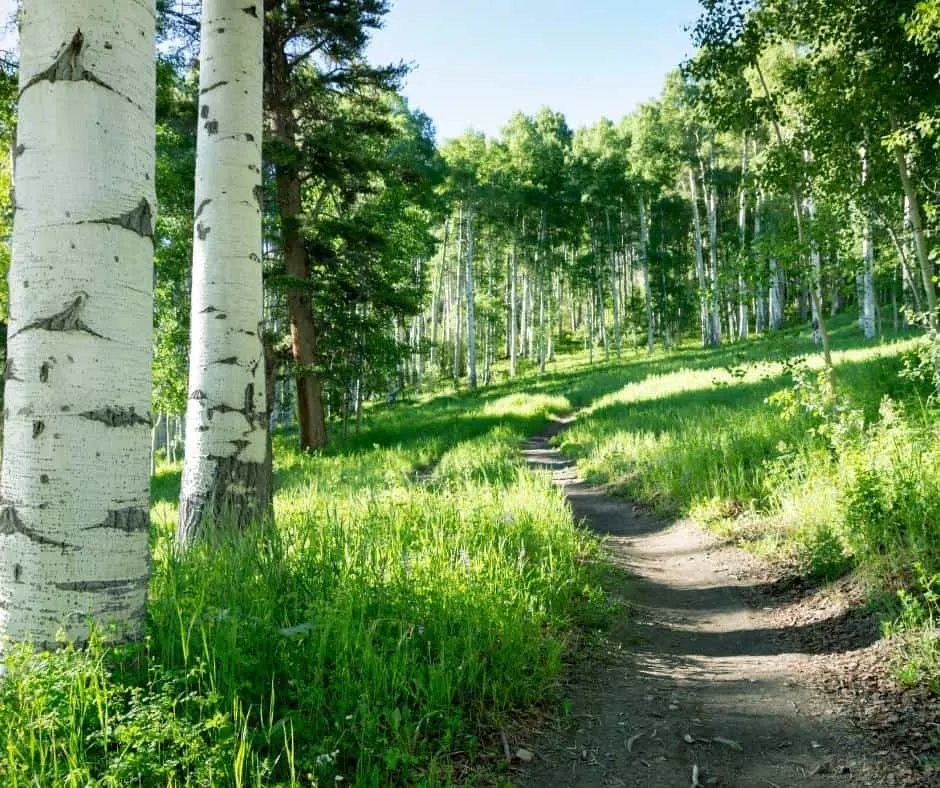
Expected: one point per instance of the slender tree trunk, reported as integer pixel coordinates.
(599, 292)
(920, 240)
(513, 311)
(743, 327)
(645, 267)
(155, 443)
(75, 479)
(226, 476)
(436, 298)
(471, 310)
(540, 267)
(760, 309)
(614, 288)
(704, 319)
(712, 209)
(868, 263)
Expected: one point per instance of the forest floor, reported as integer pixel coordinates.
(717, 670)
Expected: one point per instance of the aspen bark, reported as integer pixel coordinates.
(645, 267)
(75, 479)
(513, 311)
(700, 261)
(471, 310)
(226, 474)
(868, 263)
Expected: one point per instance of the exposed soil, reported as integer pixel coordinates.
(718, 672)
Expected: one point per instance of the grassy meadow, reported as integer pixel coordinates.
(422, 587)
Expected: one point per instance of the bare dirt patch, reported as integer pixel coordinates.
(718, 672)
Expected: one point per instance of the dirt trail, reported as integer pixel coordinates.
(695, 684)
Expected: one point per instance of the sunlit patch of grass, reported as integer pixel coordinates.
(391, 616)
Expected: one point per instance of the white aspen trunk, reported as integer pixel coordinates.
(599, 294)
(226, 475)
(614, 288)
(155, 443)
(712, 208)
(540, 266)
(530, 317)
(75, 481)
(436, 298)
(171, 437)
(700, 261)
(920, 241)
(868, 260)
(815, 277)
(910, 289)
(760, 308)
(776, 295)
(513, 311)
(471, 310)
(743, 328)
(456, 300)
(645, 267)
(524, 318)
(590, 331)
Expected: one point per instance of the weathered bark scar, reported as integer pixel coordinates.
(240, 492)
(118, 416)
(213, 86)
(202, 206)
(69, 66)
(131, 520)
(138, 220)
(10, 523)
(115, 587)
(69, 319)
(10, 372)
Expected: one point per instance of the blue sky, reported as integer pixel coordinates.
(478, 61)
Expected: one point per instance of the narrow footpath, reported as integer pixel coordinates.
(694, 686)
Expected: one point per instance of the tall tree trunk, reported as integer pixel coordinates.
(711, 205)
(436, 298)
(471, 310)
(920, 240)
(599, 292)
(75, 479)
(513, 311)
(704, 319)
(226, 477)
(645, 267)
(540, 267)
(868, 263)
(457, 300)
(760, 309)
(303, 326)
(743, 327)
(614, 288)
(155, 443)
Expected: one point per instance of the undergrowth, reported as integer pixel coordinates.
(826, 473)
(389, 621)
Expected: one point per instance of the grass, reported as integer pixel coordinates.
(421, 585)
(417, 591)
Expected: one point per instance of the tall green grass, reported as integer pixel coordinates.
(418, 588)
(829, 474)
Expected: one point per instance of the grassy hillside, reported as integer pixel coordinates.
(421, 585)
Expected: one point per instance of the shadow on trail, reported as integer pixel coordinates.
(691, 675)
